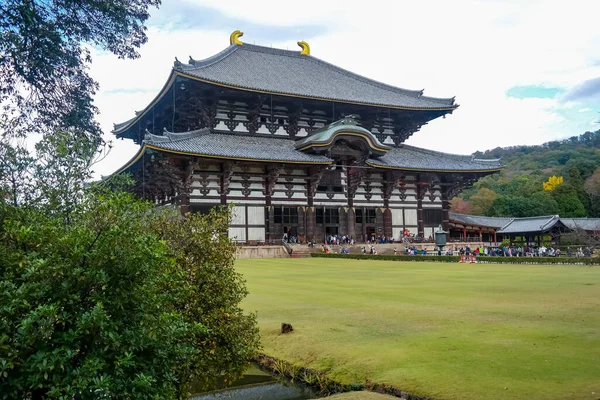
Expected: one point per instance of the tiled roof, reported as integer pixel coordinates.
(218, 145)
(415, 158)
(587, 224)
(288, 72)
(271, 149)
(478, 220)
(531, 224)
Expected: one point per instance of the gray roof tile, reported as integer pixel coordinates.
(415, 158)
(235, 147)
(588, 224)
(478, 220)
(531, 224)
(266, 148)
(288, 72)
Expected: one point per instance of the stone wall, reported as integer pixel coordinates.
(261, 252)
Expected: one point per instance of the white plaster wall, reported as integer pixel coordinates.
(238, 233)
(238, 216)
(256, 233)
(411, 216)
(256, 216)
(397, 217)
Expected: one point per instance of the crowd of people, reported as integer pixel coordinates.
(520, 251)
(504, 251)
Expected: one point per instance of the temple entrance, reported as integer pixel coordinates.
(370, 233)
(331, 230)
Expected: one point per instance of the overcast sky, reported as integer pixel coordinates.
(523, 72)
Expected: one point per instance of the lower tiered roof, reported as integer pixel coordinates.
(207, 144)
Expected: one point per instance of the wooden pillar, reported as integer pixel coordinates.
(186, 188)
(495, 239)
(420, 219)
(343, 224)
(379, 225)
(445, 210)
(302, 225)
(311, 221)
(387, 223)
(351, 220)
(271, 228)
(465, 234)
(364, 225)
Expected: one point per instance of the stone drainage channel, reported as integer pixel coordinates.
(259, 385)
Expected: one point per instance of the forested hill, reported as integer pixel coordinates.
(558, 177)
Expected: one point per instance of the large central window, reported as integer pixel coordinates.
(328, 216)
(286, 215)
(331, 182)
(432, 217)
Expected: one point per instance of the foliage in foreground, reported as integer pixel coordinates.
(101, 296)
(44, 80)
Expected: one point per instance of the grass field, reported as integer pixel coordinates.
(450, 331)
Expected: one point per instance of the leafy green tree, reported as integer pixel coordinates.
(204, 253)
(103, 296)
(482, 201)
(569, 204)
(592, 188)
(44, 80)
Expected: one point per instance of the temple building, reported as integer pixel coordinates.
(301, 148)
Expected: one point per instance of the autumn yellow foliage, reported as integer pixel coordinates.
(552, 182)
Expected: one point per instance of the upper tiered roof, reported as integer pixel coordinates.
(267, 70)
(286, 72)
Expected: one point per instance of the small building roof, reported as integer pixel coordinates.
(479, 220)
(587, 224)
(286, 72)
(531, 224)
(415, 158)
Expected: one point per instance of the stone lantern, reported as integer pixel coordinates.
(440, 239)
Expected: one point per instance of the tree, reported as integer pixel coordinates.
(552, 183)
(204, 253)
(44, 80)
(482, 201)
(116, 300)
(460, 206)
(539, 203)
(569, 204)
(592, 188)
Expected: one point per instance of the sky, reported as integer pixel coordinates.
(523, 72)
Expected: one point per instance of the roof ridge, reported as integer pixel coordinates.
(465, 156)
(194, 64)
(207, 62)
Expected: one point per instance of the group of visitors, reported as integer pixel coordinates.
(413, 251)
(336, 239)
(520, 251)
(371, 250)
(292, 239)
(380, 239)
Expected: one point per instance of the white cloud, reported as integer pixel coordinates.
(474, 50)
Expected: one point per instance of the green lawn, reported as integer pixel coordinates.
(451, 331)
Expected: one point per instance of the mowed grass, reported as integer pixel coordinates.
(450, 331)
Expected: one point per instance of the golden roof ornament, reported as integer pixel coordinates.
(305, 48)
(234, 38)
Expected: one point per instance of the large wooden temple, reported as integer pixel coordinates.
(299, 146)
